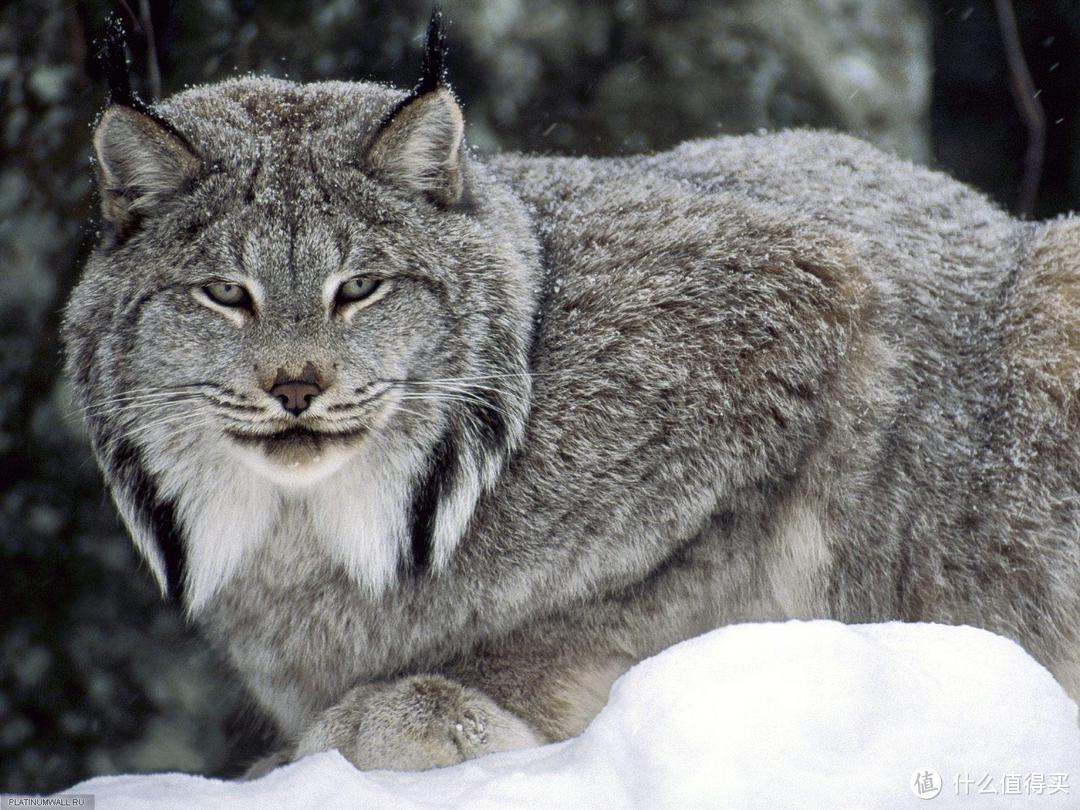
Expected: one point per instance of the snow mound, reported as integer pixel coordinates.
(800, 714)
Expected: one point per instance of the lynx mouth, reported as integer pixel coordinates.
(297, 455)
(295, 440)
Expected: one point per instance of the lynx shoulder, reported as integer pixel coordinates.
(434, 445)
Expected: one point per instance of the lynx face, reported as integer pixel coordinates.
(300, 295)
(295, 342)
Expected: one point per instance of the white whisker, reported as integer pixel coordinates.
(124, 408)
(438, 396)
(177, 423)
(464, 387)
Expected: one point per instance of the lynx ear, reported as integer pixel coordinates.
(141, 162)
(420, 147)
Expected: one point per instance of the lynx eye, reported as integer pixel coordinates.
(228, 295)
(357, 288)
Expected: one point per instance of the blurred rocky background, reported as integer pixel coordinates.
(96, 674)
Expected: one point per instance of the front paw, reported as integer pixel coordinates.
(420, 722)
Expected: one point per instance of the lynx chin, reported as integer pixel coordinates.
(433, 446)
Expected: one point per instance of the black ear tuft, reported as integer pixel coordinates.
(113, 56)
(420, 144)
(433, 68)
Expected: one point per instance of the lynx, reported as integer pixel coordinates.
(433, 446)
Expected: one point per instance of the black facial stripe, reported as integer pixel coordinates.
(489, 420)
(249, 193)
(133, 313)
(155, 513)
(436, 481)
(129, 329)
(548, 275)
(294, 230)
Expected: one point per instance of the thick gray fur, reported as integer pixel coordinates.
(748, 379)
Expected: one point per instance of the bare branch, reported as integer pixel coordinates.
(1028, 104)
(151, 49)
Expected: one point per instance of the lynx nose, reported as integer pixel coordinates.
(295, 395)
(295, 391)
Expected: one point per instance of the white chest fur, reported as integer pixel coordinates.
(228, 508)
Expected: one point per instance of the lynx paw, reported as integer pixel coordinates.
(420, 722)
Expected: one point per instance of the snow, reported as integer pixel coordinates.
(800, 714)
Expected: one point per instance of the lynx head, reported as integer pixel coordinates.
(308, 303)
